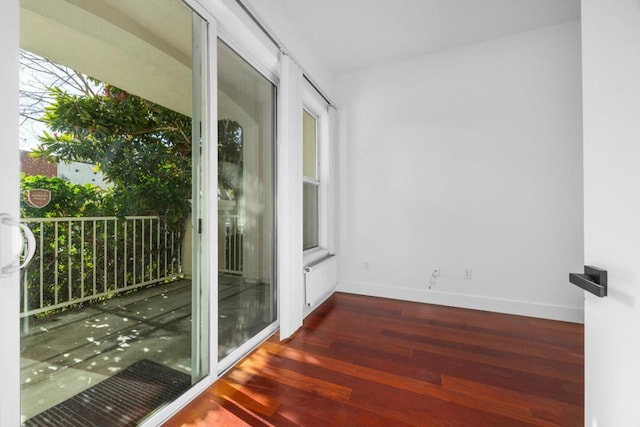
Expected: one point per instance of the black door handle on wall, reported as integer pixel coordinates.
(593, 280)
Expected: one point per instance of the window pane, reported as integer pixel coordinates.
(111, 303)
(246, 129)
(310, 216)
(309, 145)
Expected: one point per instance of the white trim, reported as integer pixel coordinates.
(9, 163)
(312, 101)
(242, 35)
(262, 65)
(474, 302)
(316, 106)
(331, 170)
(312, 181)
(197, 7)
(209, 202)
(314, 254)
(289, 197)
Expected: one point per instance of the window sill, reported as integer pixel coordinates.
(312, 255)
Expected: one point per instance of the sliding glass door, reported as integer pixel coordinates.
(114, 306)
(112, 106)
(246, 192)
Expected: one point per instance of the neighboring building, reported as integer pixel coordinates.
(75, 172)
(82, 173)
(30, 166)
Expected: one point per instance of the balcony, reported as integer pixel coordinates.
(103, 293)
(87, 259)
(70, 351)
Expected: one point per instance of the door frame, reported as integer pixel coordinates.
(9, 202)
(227, 21)
(208, 210)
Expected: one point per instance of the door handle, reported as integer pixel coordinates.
(593, 280)
(8, 270)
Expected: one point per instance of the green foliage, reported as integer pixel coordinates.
(144, 149)
(230, 140)
(67, 200)
(77, 260)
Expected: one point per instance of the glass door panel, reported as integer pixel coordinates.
(110, 188)
(246, 176)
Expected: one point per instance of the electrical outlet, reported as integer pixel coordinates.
(436, 272)
(467, 274)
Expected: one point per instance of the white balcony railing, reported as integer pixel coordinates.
(232, 249)
(82, 259)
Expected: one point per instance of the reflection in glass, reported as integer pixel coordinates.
(246, 285)
(309, 151)
(311, 183)
(310, 216)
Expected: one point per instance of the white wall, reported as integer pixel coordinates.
(468, 158)
(611, 69)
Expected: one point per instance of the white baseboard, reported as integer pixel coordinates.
(475, 302)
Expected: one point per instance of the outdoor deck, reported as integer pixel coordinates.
(68, 352)
(65, 353)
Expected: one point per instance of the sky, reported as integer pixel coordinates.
(36, 74)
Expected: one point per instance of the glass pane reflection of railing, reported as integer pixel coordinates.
(84, 259)
(233, 233)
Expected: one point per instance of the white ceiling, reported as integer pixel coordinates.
(353, 34)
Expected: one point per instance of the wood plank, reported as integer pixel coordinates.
(370, 361)
(500, 377)
(509, 409)
(347, 322)
(294, 379)
(504, 359)
(406, 343)
(423, 410)
(550, 410)
(227, 389)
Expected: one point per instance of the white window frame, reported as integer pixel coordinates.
(314, 104)
(315, 180)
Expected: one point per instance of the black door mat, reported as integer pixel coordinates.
(121, 400)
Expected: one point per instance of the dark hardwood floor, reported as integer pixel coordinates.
(362, 361)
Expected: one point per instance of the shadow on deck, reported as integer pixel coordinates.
(65, 353)
(68, 352)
